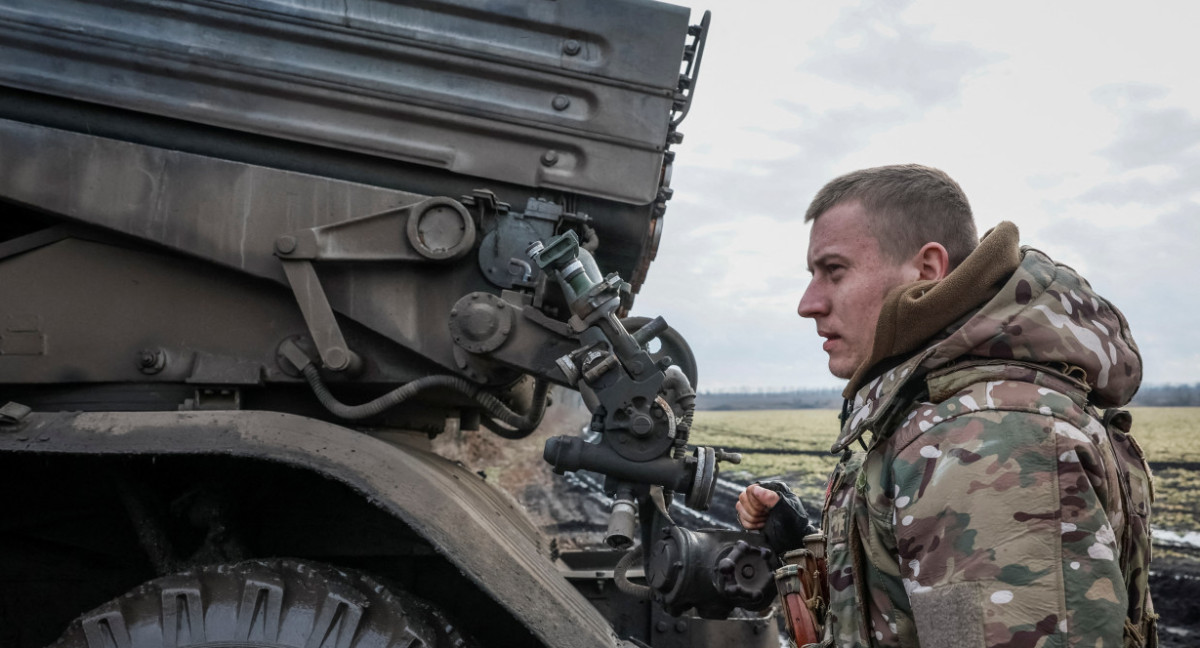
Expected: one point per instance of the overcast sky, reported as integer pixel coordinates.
(1078, 121)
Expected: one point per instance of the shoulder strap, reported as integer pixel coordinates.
(1137, 494)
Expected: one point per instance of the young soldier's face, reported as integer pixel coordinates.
(850, 277)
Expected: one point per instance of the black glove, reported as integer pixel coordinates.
(787, 521)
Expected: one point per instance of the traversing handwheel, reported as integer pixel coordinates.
(670, 344)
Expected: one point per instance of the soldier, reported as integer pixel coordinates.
(982, 498)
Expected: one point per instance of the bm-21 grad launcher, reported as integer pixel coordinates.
(253, 252)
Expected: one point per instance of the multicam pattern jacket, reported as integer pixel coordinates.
(990, 503)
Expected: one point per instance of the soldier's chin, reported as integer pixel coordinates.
(841, 367)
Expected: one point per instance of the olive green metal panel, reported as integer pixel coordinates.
(569, 94)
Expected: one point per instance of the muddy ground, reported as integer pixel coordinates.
(573, 509)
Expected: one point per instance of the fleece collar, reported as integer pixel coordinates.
(1005, 309)
(915, 312)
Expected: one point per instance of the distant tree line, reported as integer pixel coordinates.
(763, 399)
(745, 398)
(1168, 396)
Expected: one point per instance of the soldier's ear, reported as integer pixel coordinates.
(932, 261)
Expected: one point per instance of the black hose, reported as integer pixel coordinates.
(522, 425)
(622, 580)
(686, 399)
(519, 426)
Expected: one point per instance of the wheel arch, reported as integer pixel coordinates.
(467, 522)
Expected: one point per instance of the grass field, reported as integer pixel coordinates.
(1167, 434)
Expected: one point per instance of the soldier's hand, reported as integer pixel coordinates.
(774, 508)
(753, 505)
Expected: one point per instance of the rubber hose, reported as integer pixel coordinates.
(491, 404)
(676, 379)
(684, 427)
(622, 580)
(525, 425)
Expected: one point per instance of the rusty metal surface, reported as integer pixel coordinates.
(494, 89)
(467, 520)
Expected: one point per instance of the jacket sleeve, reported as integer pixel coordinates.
(1001, 527)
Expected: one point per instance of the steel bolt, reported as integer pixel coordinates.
(151, 361)
(550, 158)
(285, 244)
(560, 102)
(571, 47)
(748, 571)
(337, 359)
(662, 626)
(681, 626)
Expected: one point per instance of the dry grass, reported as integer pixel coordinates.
(1167, 434)
(784, 429)
(803, 430)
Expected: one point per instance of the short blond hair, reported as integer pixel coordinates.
(908, 205)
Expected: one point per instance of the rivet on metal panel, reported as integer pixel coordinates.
(681, 626)
(151, 361)
(571, 47)
(560, 102)
(550, 158)
(285, 244)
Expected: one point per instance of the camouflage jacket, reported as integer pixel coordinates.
(991, 505)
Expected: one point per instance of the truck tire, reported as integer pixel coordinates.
(274, 603)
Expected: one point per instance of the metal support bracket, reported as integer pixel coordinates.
(318, 315)
(434, 229)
